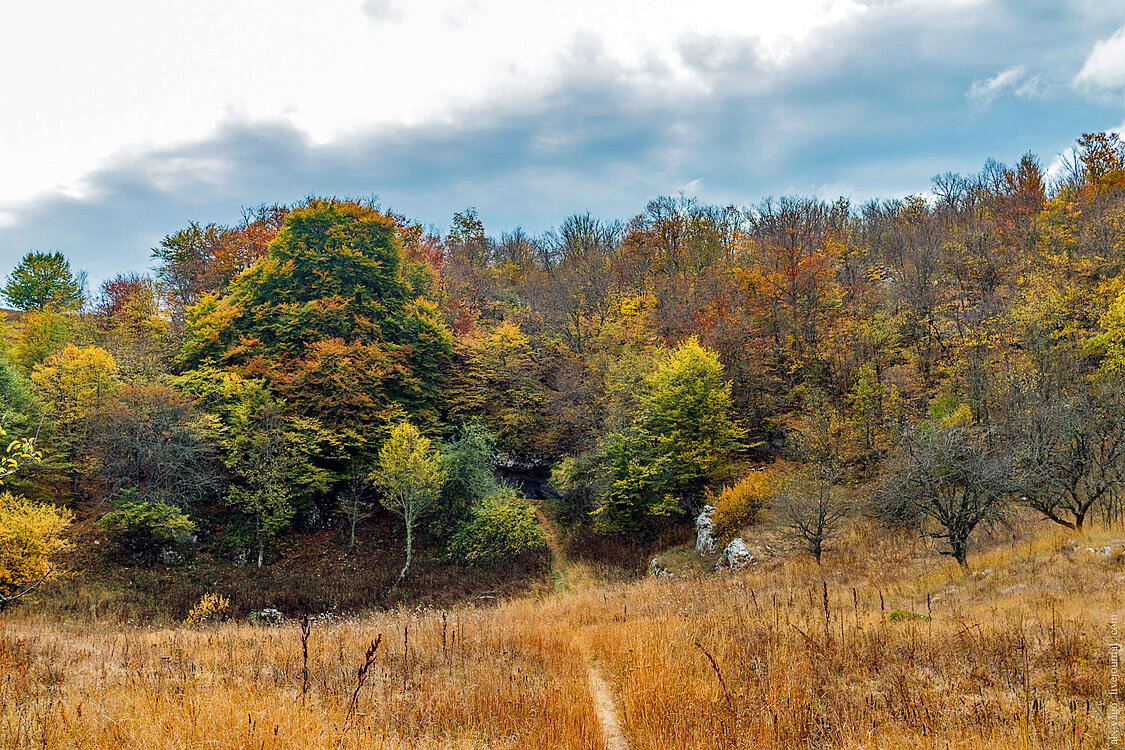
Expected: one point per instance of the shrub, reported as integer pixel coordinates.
(210, 608)
(497, 528)
(467, 462)
(30, 540)
(146, 527)
(149, 438)
(743, 504)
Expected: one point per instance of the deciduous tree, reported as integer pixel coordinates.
(410, 475)
(947, 479)
(44, 280)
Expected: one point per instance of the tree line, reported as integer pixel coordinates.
(944, 358)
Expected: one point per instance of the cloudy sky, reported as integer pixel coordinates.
(122, 120)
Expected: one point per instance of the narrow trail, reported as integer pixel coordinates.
(608, 718)
(607, 711)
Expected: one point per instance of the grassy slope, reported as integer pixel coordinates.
(1013, 659)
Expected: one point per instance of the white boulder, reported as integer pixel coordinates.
(735, 557)
(267, 616)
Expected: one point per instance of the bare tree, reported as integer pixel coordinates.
(1068, 452)
(811, 512)
(355, 499)
(946, 480)
(149, 438)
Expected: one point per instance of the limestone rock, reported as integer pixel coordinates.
(313, 518)
(735, 557)
(705, 530)
(267, 616)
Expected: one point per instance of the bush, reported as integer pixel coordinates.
(743, 504)
(467, 462)
(210, 608)
(146, 527)
(497, 528)
(31, 536)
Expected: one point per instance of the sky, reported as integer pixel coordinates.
(122, 121)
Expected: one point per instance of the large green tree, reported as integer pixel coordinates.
(43, 280)
(328, 321)
(276, 460)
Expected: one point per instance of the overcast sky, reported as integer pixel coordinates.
(122, 120)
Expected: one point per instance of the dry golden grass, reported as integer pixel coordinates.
(497, 678)
(1015, 659)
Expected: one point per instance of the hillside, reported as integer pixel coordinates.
(887, 645)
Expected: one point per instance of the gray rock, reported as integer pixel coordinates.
(267, 616)
(656, 569)
(705, 530)
(735, 557)
(170, 556)
(241, 558)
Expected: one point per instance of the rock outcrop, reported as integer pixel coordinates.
(705, 530)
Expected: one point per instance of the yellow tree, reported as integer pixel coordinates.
(409, 473)
(73, 384)
(40, 333)
(498, 385)
(30, 539)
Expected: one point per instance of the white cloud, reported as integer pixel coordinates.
(1014, 80)
(1105, 66)
(383, 10)
(99, 79)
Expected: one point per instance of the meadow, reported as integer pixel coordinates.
(886, 645)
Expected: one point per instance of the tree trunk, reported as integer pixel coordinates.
(961, 554)
(261, 540)
(409, 547)
(351, 543)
